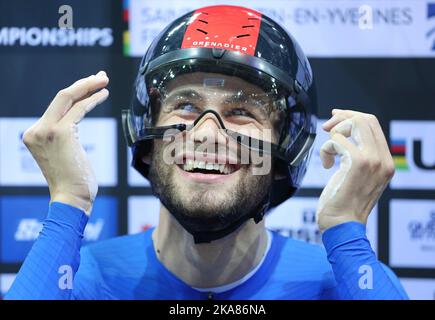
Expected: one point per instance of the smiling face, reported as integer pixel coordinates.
(203, 176)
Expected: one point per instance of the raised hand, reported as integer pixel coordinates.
(54, 142)
(366, 167)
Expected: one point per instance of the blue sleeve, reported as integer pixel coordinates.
(358, 274)
(89, 283)
(49, 269)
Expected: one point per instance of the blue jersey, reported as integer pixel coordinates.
(128, 268)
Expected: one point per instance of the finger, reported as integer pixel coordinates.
(81, 108)
(79, 90)
(379, 136)
(337, 145)
(359, 130)
(334, 120)
(338, 115)
(336, 110)
(344, 127)
(328, 151)
(339, 111)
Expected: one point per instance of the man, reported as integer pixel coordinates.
(222, 121)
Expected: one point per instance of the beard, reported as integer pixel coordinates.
(209, 211)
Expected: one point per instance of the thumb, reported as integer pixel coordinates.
(337, 145)
(328, 151)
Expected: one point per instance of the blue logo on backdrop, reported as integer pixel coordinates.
(21, 219)
(420, 230)
(431, 15)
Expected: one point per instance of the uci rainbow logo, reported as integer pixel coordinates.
(398, 151)
(126, 33)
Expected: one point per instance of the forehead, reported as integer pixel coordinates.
(216, 82)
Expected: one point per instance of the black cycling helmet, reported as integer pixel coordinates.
(239, 42)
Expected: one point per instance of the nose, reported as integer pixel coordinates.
(209, 129)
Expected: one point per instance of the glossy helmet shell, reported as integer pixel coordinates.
(242, 42)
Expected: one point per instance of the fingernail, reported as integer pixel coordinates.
(327, 121)
(101, 74)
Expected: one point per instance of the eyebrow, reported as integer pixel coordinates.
(241, 96)
(237, 97)
(184, 93)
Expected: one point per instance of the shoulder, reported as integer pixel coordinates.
(298, 248)
(296, 269)
(128, 247)
(109, 269)
(301, 257)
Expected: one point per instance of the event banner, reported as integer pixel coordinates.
(336, 28)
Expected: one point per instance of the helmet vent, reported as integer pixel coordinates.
(200, 30)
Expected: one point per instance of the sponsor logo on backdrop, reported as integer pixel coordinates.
(143, 213)
(301, 224)
(366, 24)
(18, 168)
(28, 230)
(55, 37)
(419, 289)
(423, 230)
(412, 146)
(398, 152)
(296, 218)
(21, 220)
(412, 233)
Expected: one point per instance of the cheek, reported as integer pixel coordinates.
(169, 120)
(164, 151)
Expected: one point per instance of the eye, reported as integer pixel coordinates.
(239, 112)
(187, 107)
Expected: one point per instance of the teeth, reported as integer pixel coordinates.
(200, 164)
(190, 165)
(221, 168)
